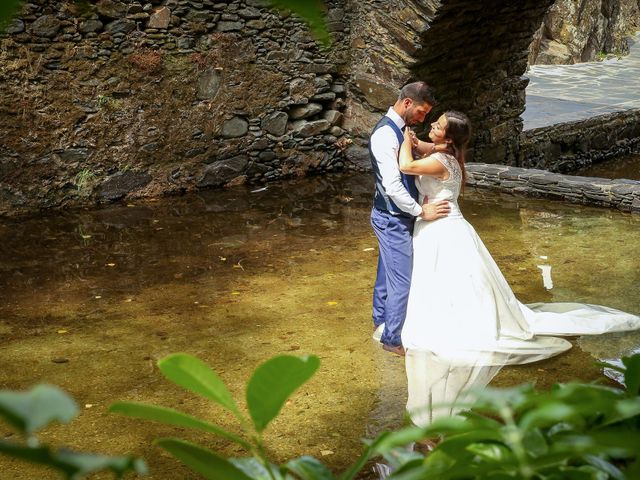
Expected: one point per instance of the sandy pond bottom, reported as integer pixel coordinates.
(92, 299)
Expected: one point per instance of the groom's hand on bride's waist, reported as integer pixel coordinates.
(436, 210)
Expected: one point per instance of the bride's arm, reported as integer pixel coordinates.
(424, 166)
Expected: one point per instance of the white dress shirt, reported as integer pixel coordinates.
(385, 148)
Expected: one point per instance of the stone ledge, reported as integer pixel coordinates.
(622, 194)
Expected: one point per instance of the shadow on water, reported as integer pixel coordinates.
(627, 166)
(92, 299)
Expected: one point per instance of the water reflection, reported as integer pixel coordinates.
(91, 300)
(627, 166)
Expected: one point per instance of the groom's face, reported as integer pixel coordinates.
(416, 112)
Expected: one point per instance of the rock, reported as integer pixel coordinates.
(553, 53)
(236, 127)
(377, 94)
(224, 26)
(121, 26)
(308, 129)
(275, 123)
(334, 117)
(15, 26)
(185, 43)
(111, 9)
(120, 184)
(223, 171)
(358, 157)
(160, 18)
(249, 13)
(300, 89)
(323, 97)
(208, 85)
(74, 155)
(46, 26)
(89, 26)
(305, 111)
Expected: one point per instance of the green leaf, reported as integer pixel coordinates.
(309, 468)
(611, 470)
(169, 416)
(8, 9)
(546, 415)
(194, 375)
(535, 443)
(632, 374)
(201, 460)
(273, 382)
(71, 463)
(32, 410)
(256, 470)
(491, 452)
(311, 11)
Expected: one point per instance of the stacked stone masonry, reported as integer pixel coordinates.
(119, 99)
(621, 194)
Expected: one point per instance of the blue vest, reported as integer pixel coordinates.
(381, 200)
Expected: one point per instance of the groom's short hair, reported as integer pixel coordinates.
(419, 92)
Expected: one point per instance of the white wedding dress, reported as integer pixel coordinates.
(463, 321)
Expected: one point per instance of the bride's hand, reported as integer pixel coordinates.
(411, 136)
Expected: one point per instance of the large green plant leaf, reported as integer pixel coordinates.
(193, 374)
(169, 416)
(71, 463)
(254, 469)
(273, 382)
(311, 11)
(632, 374)
(309, 468)
(202, 461)
(32, 410)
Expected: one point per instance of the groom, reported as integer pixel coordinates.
(395, 208)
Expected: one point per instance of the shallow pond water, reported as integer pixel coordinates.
(627, 166)
(92, 299)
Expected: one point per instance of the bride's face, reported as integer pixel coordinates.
(438, 131)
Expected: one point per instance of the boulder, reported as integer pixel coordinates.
(305, 111)
(236, 127)
(223, 171)
(208, 85)
(160, 18)
(46, 26)
(275, 123)
(120, 184)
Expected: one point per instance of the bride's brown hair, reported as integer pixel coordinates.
(458, 131)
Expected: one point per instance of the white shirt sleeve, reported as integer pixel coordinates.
(385, 148)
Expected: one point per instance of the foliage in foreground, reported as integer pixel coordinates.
(28, 412)
(573, 431)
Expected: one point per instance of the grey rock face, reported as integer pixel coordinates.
(15, 26)
(223, 171)
(121, 26)
(111, 9)
(334, 117)
(46, 26)
(225, 26)
(74, 154)
(160, 18)
(208, 85)
(308, 129)
(236, 127)
(275, 123)
(89, 26)
(120, 184)
(305, 111)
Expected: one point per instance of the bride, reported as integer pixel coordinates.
(463, 321)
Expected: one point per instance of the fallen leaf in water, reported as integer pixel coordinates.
(88, 405)
(332, 303)
(224, 259)
(294, 347)
(62, 331)
(98, 296)
(111, 264)
(60, 360)
(324, 453)
(85, 236)
(235, 293)
(129, 300)
(368, 249)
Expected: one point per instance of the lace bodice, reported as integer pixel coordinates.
(435, 189)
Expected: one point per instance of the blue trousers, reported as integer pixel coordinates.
(393, 279)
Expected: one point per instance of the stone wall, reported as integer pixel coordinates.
(130, 98)
(584, 30)
(621, 194)
(570, 146)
